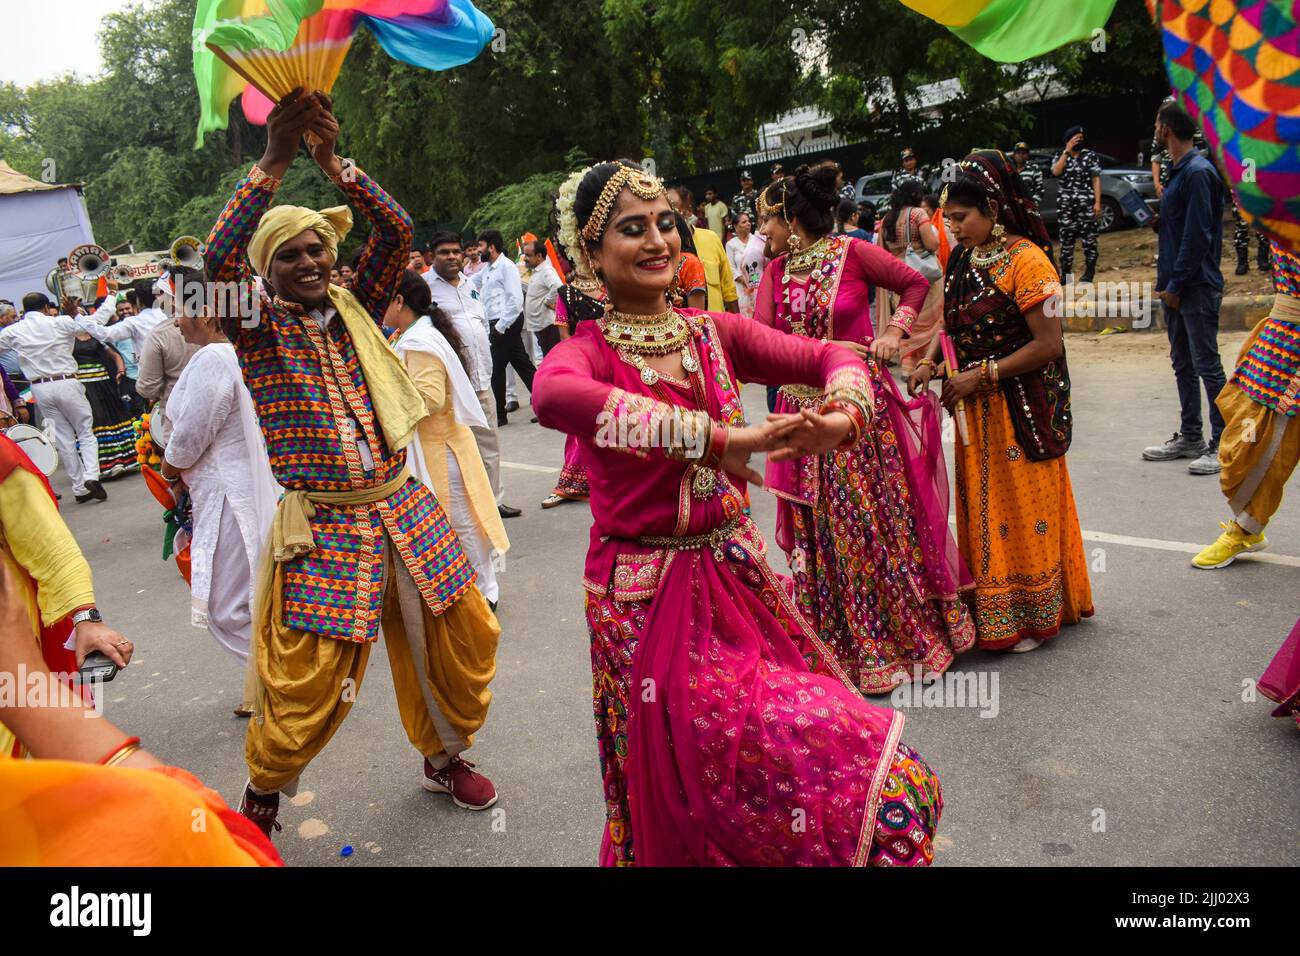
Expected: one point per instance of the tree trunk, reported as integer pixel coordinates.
(898, 82)
(237, 141)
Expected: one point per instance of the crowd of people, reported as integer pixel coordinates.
(341, 459)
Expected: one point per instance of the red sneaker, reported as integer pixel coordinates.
(262, 810)
(469, 790)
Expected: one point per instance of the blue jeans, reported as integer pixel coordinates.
(1193, 330)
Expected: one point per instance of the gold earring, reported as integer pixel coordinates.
(998, 231)
(795, 242)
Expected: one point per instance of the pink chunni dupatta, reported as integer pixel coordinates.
(915, 421)
(1281, 681)
(737, 754)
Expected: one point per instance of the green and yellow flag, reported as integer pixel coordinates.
(1013, 30)
(238, 25)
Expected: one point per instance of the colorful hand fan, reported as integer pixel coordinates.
(1013, 30)
(1235, 66)
(265, 49)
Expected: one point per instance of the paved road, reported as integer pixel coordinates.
(1136, 714)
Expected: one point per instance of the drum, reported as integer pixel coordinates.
(36, 446)
(156, 429)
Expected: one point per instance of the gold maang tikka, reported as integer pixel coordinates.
(642, 184)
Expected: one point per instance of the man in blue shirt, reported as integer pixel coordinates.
(1190, 285)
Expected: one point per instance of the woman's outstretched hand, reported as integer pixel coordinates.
(808, 433)
(743, 442)
(960, 387)
(888, 345)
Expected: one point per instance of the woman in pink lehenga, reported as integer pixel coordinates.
(582, 299)
(720, 744)
(1281, 681)
(865, 528)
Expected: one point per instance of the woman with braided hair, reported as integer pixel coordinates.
(1016, 522)
(581, 299)
(728, 734)
(865, 527)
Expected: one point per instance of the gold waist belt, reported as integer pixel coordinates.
(714, 539)
(805, 396)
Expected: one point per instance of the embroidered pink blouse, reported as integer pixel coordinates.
(865, 265)
(586, 389)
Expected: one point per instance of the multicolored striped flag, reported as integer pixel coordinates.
(263, 49)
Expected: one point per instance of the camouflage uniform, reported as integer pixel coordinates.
(745, 202)
(1032, 177)
(919, 174)
(1074, 204)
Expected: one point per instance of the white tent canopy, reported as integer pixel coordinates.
(40, 223)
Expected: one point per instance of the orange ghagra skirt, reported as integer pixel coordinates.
(1018, 531)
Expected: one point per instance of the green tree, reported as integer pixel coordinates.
(440, 142)
(519, 207)
(710, 73)
(135, 198)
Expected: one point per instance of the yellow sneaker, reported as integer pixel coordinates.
(1232, 542)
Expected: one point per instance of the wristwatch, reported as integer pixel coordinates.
(90, 614)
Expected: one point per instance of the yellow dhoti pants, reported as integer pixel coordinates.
(1259, 448)
(1257, 453)
(441, 666)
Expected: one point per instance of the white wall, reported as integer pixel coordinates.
(36, 230)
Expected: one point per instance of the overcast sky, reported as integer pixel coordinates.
(45, 38)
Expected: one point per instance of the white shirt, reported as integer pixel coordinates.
(461, 304)
(44, 343)
(539, 299)
(134, 327)
(502, 292)
(736, 255)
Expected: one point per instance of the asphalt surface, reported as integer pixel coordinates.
(1125, 741)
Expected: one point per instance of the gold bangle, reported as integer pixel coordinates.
(121, 755)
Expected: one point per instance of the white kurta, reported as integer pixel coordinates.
(217, 445)
(423, 337)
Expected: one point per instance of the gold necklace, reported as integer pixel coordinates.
(807, 259)
(585, 283)
(645, 334)
(987, 255)
(636, 336)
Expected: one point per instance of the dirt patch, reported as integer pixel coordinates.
(1094, 349)
(1130, 256)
